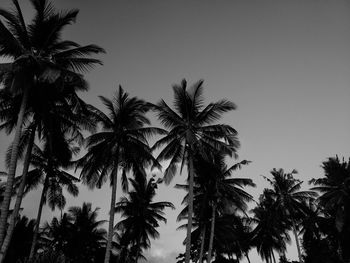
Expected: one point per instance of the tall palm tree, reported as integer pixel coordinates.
(49, 168)
(289, 199)
(38, 54)
(121, 145)
(191, 129)
(334, 199)
(227, 193)
(61, 110)
(141, 214)
(270, 232)
(217, 192)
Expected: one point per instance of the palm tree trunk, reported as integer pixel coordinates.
(204, 229)
(12, 170)
(247, 256)
(273, 256)
(38, 218)
(138, 250)
(190, 209)
(19, 198)
(212, 230)
(297, 241)
(111, 215)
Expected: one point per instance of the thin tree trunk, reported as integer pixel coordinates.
(19, 198)
(190, 210)
(247, 256)
(38, 218)
(204, 230)
(138, 250)
(111, 215)
(273, 256)
(12, 169)
(297, 241)
(212, 230)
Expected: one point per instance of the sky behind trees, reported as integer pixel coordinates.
(285, 64)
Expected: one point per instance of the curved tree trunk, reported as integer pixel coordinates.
(297, 241)
(111, 215)
(12, 169)
(212, 230)
(204, 229)
(19, 198)
(190, 209)
(38, 218)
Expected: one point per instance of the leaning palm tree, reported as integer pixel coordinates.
(46, 113)
(49, 168)
(191, 129)
(121, 145)
(289, 199)
(38, 54)
(141, 214)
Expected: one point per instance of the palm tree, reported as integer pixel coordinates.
(77, 234)
(191, 129)
(216, 191)
(38, 54)
(121, 145)
(288, 198)
(48, 167)
(56, 234)
(141, 214)
(227, 193)
(270, 232)
(334, 199)
(21, 242)
(54, 111)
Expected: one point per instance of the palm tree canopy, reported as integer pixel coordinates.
(77, 234)
(335, 185)
(123, 141)
(45, 166)
(270, 232)
(38, 49)
(214, 182)
(141, 215)
(287, 194)
(191, 127)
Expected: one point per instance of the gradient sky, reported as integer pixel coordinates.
(285, 64)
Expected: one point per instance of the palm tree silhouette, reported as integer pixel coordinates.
(38, 55)
(270, 232)
(54, 111)
(77, 234)
(121, 145)
(21, 242)
(288, 198)
(48, 167)
(335, 189)
(216, 194)
(141, 214)
(191, 129)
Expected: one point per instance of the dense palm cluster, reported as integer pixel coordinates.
(40, 105)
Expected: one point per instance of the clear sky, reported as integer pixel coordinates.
(285, 63)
